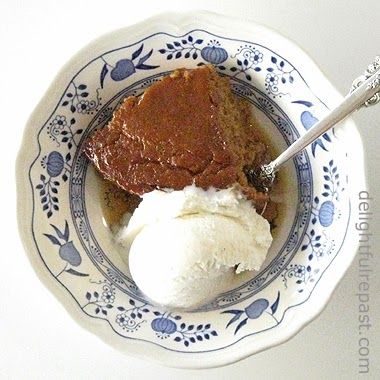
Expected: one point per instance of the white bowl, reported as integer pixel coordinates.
(72, 250)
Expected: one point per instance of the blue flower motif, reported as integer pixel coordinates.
(299, 271)
(213, 53)
(59, 121)
(54, 164)
(253, 55)
(83, 106)
(108, 294)
(253, 311)
(256, 308)
(326, 213)
(163, 325)
(67, 250)
(271, 79)
(308, 120)
(124, 68)
(127, 323)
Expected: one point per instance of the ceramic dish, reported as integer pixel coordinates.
(71, 247)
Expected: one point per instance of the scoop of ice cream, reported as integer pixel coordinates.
(185, 246)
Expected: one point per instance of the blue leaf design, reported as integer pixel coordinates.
(275, 303)
(103, 74)
(303, 102)
(66, 234)
(326, 137)
(53, 239)
(314, 145)
(232, 311)
(76, 273)
(240, 325)
(234, 319)
(274, 59)
(145, 57)
(58, 232)
(145, 67)
(137, 52)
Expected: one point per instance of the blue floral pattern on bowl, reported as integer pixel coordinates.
(78, 254)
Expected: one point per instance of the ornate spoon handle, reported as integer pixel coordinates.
(365, 91)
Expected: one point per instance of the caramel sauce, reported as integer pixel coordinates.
(115, 202)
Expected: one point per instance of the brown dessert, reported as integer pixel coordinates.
(187, 128)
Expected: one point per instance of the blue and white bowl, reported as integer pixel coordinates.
(72, 250)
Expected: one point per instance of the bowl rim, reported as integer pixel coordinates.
(321, 87)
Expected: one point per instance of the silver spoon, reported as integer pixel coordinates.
(365, 91)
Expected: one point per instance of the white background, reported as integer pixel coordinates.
(38, 339)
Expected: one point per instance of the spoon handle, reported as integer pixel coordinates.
(365, 92)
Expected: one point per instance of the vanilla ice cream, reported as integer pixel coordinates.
(186, 246)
